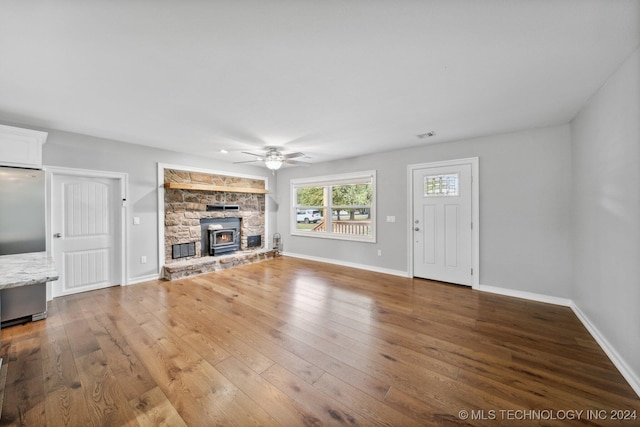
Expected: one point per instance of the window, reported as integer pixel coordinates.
(335, 207)
(441, 185)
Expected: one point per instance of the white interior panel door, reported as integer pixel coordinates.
(86, 222)
(442, 223)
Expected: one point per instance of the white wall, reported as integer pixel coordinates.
(525, 180)
(606, 226)
(140, 163)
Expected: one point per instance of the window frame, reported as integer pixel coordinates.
(329, 181)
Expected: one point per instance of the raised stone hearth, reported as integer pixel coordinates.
(184, 208)
(192, 267)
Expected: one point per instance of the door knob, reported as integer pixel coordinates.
(57, 235)
(417, 229)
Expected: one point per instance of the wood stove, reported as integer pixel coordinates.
(220, 235)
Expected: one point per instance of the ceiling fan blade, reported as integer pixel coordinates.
(293, 155)
(253, 154)
(297, 162)
(249, 161)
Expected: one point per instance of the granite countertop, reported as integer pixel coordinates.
(26, 269)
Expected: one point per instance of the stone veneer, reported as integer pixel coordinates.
(181, 269)
(183, 210)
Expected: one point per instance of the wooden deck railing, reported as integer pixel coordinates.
(359, 228)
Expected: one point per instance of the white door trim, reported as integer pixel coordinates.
(475, 212)
(123, 179)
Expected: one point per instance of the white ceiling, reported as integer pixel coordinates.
(331, 78)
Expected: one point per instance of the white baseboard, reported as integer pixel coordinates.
(349, 264)
(526, 295)
(613, 355)
(616, 359)
(140, 279)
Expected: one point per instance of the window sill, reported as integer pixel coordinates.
(331, 236)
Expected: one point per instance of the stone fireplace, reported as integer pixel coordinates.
(211, 220)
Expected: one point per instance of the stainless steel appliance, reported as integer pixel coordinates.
(22, 230)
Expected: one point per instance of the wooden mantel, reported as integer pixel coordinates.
(211, 187)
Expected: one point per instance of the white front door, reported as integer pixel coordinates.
(86, 232)
(442, 223)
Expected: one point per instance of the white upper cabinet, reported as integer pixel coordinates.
(21, 147)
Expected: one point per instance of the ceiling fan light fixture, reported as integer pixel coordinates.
(273, 164)
(273, 160)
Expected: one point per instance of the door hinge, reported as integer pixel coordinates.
(472, 271)
(472, 225)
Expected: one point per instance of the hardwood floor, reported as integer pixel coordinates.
(298, 343)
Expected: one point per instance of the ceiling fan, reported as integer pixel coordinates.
(273, 158)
